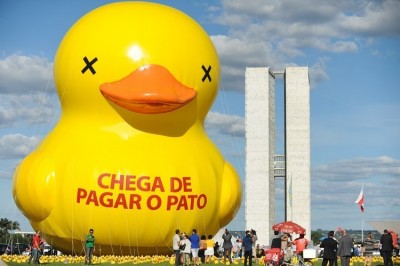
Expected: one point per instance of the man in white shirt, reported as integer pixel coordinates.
(175, 246)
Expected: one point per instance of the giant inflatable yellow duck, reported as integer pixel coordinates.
(129, 156)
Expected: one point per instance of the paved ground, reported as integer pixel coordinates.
(2, 263)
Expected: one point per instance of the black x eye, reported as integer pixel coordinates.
(89, 65)
(206, 73)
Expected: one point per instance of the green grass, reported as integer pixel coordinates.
(151, 261)
(160, 264)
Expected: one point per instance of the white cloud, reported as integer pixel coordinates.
(318, 72)
(35, 108)
(275, 33)
(345, 177)
(335, 187)
(21, 74)
(358, 169)
(376, 18)
(17, 145)
(231, 125)
(339, 18)
(27, 91)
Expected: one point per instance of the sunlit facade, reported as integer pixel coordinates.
(262, 165)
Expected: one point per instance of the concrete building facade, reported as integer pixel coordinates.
(297, 146)
(260, 149)
(260, 146)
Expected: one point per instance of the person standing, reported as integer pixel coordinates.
(368, 250)
(175, 246)
(239, 247)
(301, 243)
(254, 238)
(29, 249)
(41, 250)
(330, 246)
(276, 241)
(345, 248)
(247, 243)
(217, 250)
(35, 248)
(387, 248)
(395, 238)
(195, 246)
(227, 245)
(203, 247)
(89, 247)
(186, 246)
(286, 243)
(210, 248)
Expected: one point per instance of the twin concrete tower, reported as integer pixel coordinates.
(262, 165)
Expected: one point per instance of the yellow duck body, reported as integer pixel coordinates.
(129, 156)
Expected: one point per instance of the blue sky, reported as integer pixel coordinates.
(351, 47)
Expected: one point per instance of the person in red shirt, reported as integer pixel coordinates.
(301, 243)
(395, 241)
(36, 247)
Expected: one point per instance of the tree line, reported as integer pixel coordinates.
(6, 226)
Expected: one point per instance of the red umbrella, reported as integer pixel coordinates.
(289, 227)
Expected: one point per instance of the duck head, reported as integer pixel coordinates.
(145, 61)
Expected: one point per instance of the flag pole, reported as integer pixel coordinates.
(362, 227)
(290, 197)
(362, 215)
(360, 201)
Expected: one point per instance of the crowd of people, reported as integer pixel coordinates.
(285, 246)
(342, 249)
(196, 250)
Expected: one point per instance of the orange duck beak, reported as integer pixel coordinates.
(150, 89)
